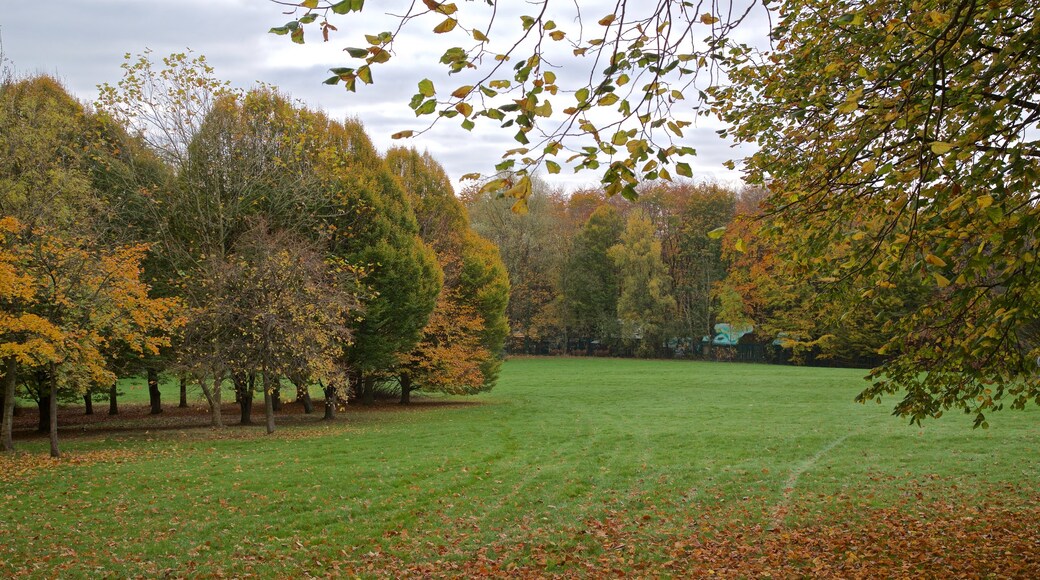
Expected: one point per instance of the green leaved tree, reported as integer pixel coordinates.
(646, 304)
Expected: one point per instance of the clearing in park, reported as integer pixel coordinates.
(570, 467)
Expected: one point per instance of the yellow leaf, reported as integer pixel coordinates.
(940, 280)
(461, 92)
(607, 20)
(941, 147)
(447, 26)
(465, 109)
(984, 201)
(935, 260)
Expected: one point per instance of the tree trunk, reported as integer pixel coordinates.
(276, 393)
(154, 396)
(113, 403)
(213, 398)
(330, 401)
(45, 412)
(10, 381)
(55, 452)
(368, 389)
(406, 388)
(184, 393)
(303, 394)
(269, 396)
(244, 387)
(88, 404)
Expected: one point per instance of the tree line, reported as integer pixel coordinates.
(228, 237)
(595, 275)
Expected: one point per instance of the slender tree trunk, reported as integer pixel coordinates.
(113, 403)
(303, 394)
(88, 403)
(269, 396)
(330, 401)
(184, 393)
(213, 398)
(406, 388)
(154, 396)
(276, 392)
(10, 380)
(244, 386)
(55, 451)
(45, 412)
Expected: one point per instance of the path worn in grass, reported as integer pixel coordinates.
(570, 467)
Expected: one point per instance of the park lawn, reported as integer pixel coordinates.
(571, 467)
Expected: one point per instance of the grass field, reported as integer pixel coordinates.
(570, 467)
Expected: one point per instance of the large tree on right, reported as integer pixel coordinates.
(909, 133)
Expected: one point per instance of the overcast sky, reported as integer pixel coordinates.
(82, 42)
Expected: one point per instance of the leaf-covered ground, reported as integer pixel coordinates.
(570, 468)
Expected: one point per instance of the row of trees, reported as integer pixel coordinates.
(229, 237)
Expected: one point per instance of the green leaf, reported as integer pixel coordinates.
(426, 108)
(279, 30)
(344, 7)
(426, 88)
(365, 74)
(357, 52)
(941, 147)
(683, 169)
(552, 167)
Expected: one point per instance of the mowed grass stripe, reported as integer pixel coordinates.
(562, 455)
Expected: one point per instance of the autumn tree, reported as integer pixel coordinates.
(277, 309)
(375, 229)
(685, 214)
(67, 303)
(76, 299)
(646, 303)
(530, 249)
(460, 344)
(907, 131)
